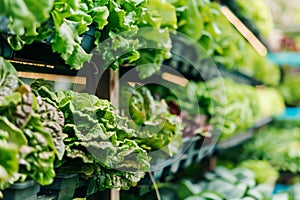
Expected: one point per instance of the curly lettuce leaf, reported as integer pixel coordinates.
(154, 47)
(160, 14)
(116, 42)
(30, 127)
(16, 136)
(189, 18)
(8, 161)
(130, 157)
(277, 145)
(86, 128)
(258, 13)
(236, 109)
(109, 178)
(97, 138)
(141, 105)
(22, 111)
(38, 157)
(26, 15)
(289, 90)
(156, 128)
(63, 9)
(44, 89)
(71, 20)
(119, 19)
(67, 42)
(8, 78)
(100, 15)
(154, 39)
(52, 122)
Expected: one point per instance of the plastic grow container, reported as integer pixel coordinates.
(5, 49)
(62, 188)
(88, 39)
(27, 190)
(291, 113)
(85, 188)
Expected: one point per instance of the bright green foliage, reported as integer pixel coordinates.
(263, 170)
(133, 32)
(280, 146)
(271, 102)
(11, 138)
(233, 107)
(240, 107)
(62, 23)
(8, 78)
(289, 90)
(38, 157)
(9, 157)
(189, 18)
(31, 139)
(99, 143)
(156, 128)
(221, 184)
(204, 22)
(38, 154)
(258, 13)
(26, 16)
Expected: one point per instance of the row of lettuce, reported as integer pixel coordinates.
(41, 135)
(242, 182)
(264, 168)
(133, 32)
(226, 107)
(278, 143)
(45, 132)
(248, 180)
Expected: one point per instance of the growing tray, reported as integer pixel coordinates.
(62, 188)
(193, 150)
(291, 59)
(291, 114)
(27, 190)
(85, 188)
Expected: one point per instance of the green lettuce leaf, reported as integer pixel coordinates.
(8, 161)
(8, 78)
(52, 122)
(38, 157)
(277, 145)
(154, 47)
(289, 90)
(97, 139)
(110, 178)
(154, 38)
(22, 111)
(67, 42)
(161, 14)
(259, 15)
(26, 15)
(156, 128)
(16, 136)
(100, 15)
(189, 18)
(34, 129)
